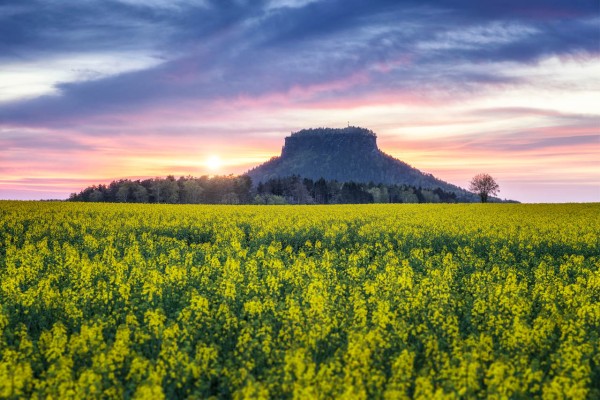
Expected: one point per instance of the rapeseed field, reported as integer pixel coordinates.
(350, 301)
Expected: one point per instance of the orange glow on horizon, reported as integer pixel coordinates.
(451, 138)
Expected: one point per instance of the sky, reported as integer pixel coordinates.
(97, 90)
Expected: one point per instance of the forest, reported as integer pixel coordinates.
(233, 189)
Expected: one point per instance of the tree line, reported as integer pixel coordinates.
(232, 189)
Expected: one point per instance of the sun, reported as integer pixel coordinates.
(213, 162)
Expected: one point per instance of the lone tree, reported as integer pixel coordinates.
(484, 185)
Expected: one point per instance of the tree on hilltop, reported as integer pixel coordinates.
(484, 186)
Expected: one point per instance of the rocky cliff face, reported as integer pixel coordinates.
(328, 142)
(349, 154)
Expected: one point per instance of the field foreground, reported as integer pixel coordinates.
(390, 301)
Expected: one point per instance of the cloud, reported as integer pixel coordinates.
(35, 78)
(166, 4)
(277, 4)
(539, 140)
(147, 53)
(534, 9)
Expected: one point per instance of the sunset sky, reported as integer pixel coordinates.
(96, 90)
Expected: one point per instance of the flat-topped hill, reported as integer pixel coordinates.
(348, 154)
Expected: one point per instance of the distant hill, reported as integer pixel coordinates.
(346, 155)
